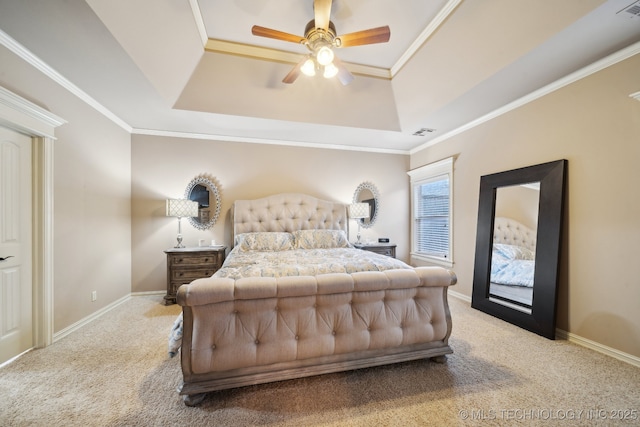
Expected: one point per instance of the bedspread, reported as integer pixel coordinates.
(512, 265)
(304, 262)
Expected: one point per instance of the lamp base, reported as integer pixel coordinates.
(179, 244)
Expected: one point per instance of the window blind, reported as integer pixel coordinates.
(432, 217)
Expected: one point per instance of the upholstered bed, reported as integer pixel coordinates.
(512, 260)
(294, 298)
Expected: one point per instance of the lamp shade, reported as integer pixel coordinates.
(359, 210)
(182, 208)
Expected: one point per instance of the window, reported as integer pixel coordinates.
(431, 212)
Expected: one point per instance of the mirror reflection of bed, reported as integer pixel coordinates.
(514, 246)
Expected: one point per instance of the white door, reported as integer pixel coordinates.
(16, 330)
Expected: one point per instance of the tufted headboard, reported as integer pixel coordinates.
(511, 232)
(288, 212)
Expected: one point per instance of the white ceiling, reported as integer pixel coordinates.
(192, 67)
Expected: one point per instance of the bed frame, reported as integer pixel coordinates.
(511, 232)
(257, 330)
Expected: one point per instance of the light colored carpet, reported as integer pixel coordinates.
(115, 372)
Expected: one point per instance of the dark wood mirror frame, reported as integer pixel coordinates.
(552, 177)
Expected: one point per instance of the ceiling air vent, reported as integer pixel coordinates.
(632, 11)
(422, 131)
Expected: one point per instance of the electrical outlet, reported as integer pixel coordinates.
(94, 295)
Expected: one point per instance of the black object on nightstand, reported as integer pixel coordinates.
(388, 249)
(187, 264)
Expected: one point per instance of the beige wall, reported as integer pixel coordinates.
(92, 197)
(520, 203)
(595, 125)
(162, 167)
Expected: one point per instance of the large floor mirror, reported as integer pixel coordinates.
(520, 216)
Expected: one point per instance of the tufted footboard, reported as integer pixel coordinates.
(256, 330)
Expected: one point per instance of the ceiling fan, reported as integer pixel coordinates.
(320, 38)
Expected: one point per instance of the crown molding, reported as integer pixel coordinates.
(605, 62)
(425, 34)
(26, 55)
(227, 138)
(197, 16)
(276, 55)
(26, 116)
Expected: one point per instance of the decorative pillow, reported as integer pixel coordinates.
(513, 251)
(265, 241)
(321, 239)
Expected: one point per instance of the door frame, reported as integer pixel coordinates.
(23, 116)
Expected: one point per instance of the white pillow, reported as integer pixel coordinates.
(321, 239)
(265, 241)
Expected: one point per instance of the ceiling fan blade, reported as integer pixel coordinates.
(370, 36)
(343, 75)
(294, 73)
(257, 30)
(322, 13)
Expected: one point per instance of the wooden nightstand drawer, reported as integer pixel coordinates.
(189, 261)
(388, 249)
(185, 265)
(186, 276)
(384, 251)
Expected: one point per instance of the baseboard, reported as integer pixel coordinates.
(14, 358)
(148, 293)
(600, 348)
(79, 324)
(460, 296)
(577, 339)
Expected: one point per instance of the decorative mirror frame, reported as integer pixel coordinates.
(376, 197)
(213, 186)
(542, 318)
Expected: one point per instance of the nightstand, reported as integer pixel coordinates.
(187, 264)
(388, 249)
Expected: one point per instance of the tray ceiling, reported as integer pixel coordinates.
(193, 67)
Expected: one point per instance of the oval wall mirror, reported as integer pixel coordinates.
(520, 217)
(368, 193)
(204, 190)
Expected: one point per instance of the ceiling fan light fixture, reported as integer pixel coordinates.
(324, 56)
(330, 71)
(309, 68)
(320, 37)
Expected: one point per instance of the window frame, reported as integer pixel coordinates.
(424, 175)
